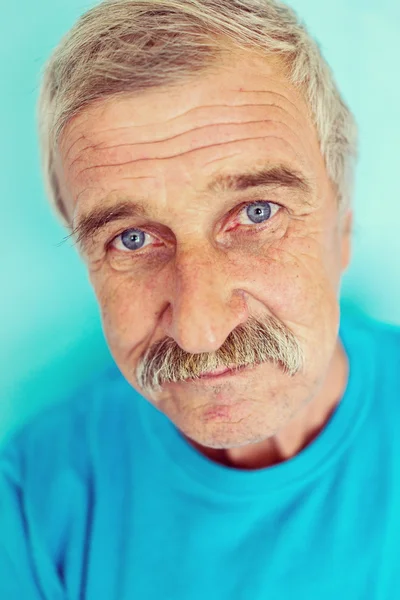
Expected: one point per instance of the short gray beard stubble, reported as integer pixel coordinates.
(254, 342)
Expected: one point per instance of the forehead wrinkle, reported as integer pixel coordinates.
(138, 199)
(127, 97)
(174, 137)
(187, 152)
(189, 132)
(182, 115)
(80, 137)
(163, 158)
(285, 98)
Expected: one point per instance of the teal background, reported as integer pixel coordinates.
(51, 336)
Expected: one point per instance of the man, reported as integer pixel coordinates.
(202, 158)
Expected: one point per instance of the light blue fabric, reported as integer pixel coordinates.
(101, 498)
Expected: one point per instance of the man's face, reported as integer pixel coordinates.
(170, 259)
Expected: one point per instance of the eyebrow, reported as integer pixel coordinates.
(278, 176)
(281, 176)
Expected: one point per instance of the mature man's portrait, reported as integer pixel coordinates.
(201, 376)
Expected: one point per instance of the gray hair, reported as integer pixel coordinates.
(125, 46)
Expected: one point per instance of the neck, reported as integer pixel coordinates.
(298, 433)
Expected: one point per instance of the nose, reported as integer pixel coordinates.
(204, 306)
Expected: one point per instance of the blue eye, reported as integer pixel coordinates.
(259, 212)
(131, 239)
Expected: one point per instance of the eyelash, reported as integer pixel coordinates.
(252, 227)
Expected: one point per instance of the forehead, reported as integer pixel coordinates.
(234, 112)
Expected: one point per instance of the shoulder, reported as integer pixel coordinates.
(376, 335)
(47, 472)
(61, 437)
(374, 354)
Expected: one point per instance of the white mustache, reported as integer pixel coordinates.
(257, 341)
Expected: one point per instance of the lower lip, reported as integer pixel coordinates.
(217, 373)
(213, 377)
(210, 379)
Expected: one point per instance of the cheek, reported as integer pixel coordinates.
(127, 310)
(295, 282)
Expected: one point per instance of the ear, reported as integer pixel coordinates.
(347, 229)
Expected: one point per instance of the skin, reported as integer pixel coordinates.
(206, 268)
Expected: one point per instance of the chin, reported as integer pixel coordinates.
(226, 415)
(225, 440)
(223, 427)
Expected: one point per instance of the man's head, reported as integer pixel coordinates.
(202, 157)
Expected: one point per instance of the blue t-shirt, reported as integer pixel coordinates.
(101, 498)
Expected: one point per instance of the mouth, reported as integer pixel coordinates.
(210, 378)
(221, 372)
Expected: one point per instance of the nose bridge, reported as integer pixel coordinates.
(197, 267)
(205, 306)
(199, 285)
